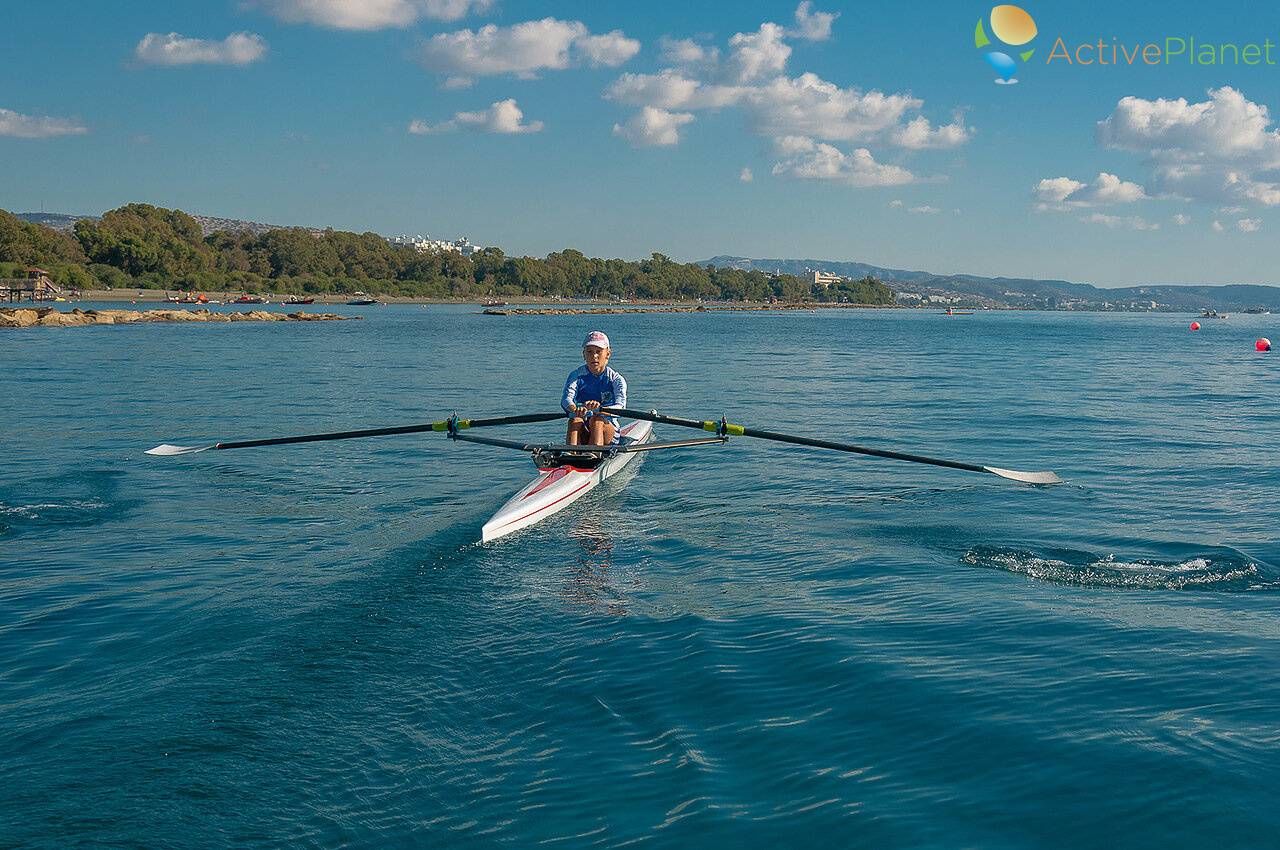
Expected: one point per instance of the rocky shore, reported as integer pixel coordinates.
(27, 317)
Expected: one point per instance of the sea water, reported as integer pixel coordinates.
(742, 645)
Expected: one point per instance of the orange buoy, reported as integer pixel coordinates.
(1262, 344)
(1195, 326)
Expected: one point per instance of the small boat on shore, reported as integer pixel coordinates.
(361, 299)
(293, 301)
(246, 298)
(492, 303)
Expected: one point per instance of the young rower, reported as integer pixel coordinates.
(590, 387)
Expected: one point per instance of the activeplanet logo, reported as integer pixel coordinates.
(1011, 25)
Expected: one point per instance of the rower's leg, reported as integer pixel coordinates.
(601, 432)
(577, 430)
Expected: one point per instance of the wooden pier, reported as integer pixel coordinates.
(36, 286)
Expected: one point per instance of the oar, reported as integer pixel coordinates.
(442, 425)
(732, 430)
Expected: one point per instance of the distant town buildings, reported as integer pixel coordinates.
(425, 244)
(825, 279)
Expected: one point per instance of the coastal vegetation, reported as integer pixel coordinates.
(147, 247)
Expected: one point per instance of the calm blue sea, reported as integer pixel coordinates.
(751, 645)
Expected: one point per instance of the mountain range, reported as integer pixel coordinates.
(921, 287)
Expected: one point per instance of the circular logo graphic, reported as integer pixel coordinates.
(1010, 25)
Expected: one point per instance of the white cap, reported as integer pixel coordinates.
(597, 339)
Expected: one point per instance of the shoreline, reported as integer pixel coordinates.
(52, 317)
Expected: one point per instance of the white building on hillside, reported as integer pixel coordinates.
(425, 244)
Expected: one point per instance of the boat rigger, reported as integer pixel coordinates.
(566, 473)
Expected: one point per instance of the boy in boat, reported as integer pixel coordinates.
(590, 387)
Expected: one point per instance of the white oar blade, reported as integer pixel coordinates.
(1025, 477)
(167, 449)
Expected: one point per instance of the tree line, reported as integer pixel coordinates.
(148, 247)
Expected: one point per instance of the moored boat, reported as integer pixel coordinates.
(249, 299)
(292, 301)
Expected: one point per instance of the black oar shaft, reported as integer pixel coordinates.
(740, 430)
(442, 425)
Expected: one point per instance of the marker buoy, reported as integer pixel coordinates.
(1263, 344)
(1195, 326)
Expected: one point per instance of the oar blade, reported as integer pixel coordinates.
(166, 450)
(1024, 477)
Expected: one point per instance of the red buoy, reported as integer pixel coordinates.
(1263, 344)
(1195, 326)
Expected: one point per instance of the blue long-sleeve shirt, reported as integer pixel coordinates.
(609, 388)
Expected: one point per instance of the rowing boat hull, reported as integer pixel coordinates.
(557, 488)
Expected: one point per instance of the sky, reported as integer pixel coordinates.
(875, 132)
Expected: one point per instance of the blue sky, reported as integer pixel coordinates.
(764, 129)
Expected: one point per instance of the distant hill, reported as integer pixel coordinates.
(57, 221)
(208, 223)
(915, 287)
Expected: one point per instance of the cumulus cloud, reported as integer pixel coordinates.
(1214, 151)
(807, 159)
(653, 127)
(1131, 222)
(524, 49)
(1181, 220)
(918, 134)
(896, 204)
(925, 210)
(1249, 225)
(369, 14)
(239, 48)
(503, 117)
(686, 52)
(811, 25)
(670, 89)
(1065, 193)
(1217, 227)
(746, 176)
(759, 54)
(752, 77)
(19, 126)
(808, 105)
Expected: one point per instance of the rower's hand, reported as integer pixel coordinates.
(592, 405)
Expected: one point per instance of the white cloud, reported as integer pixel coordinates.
(503, 117)
(1181, 220)
(1249, 225)
(686, 52)
(746, 176)
(813, 26)
(1217, 227)
(810, 106)
(670, 89)
(752, 77)
(918, 134)
(19, 126)
(1055, 190)
(807, 159)
(1065, 193)
(896, 204)
(1131, 222)
(369, 14)
(524, 49)
(456, 83)
(1212, 151)
(239, 48)
(758, 54)
(925, 210)
(653, 127)
(1231, 210)
(609, 50)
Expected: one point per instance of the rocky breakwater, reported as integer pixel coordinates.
(48, 317)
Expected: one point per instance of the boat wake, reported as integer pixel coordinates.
(1221, 572)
